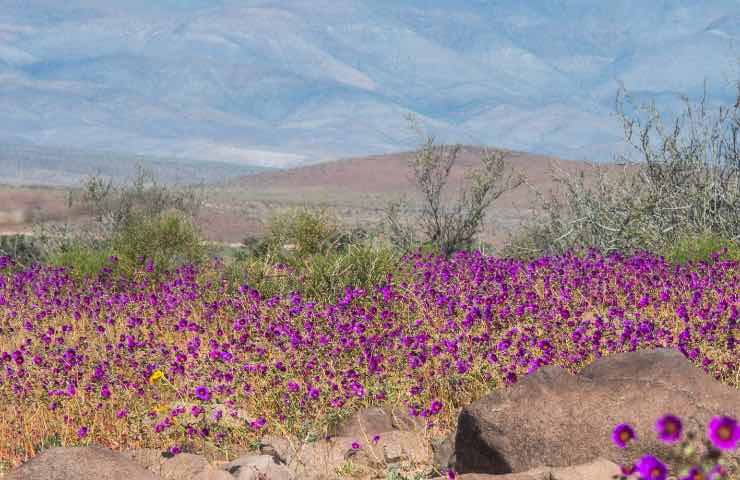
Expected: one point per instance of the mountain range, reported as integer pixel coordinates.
(282, 83)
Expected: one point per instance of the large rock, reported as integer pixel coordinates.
(403, 451)
(81, 463)
(552, 418)
(364, 424)
(183, 466)
(599, 469)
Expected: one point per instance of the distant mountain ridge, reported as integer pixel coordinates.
(55, 166)
(289, 82)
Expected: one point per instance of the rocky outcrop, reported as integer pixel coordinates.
(81, 463)
(599, 469)
(175, 467)
(557, 419)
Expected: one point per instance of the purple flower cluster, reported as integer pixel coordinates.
(438, 332)
(723, 433)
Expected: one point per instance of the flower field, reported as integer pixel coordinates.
(169, 363)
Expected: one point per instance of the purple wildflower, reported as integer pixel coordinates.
(203, 393)
(669, 428)
(650, 468)
(622, 434)
(723, 432)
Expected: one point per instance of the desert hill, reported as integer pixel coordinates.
(359, 188)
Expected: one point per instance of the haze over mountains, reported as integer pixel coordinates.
(285, 82)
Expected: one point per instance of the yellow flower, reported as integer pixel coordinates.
(155, 376)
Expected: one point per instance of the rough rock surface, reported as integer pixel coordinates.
(81, 463)
(557, 419)
(181, 466)
(444, 452)
(257, 467)
(394, 449)
(599, 469)
(279, 448)
(364, 424)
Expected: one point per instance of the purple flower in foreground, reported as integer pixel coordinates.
(436, 407)
(650, 468)
(695, 473)
(259, 423)
(723, 432)
(669, 428)
(376, 439)
(355, 446)
(203, 393)
(627, 470)
(82, 432)
(622, 434)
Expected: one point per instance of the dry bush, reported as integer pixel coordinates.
(687, 182)
(444, 225)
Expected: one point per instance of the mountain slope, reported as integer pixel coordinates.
(286, 82)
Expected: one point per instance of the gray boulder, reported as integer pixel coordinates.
(552, 418)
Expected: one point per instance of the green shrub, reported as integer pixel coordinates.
(24, 249)
(113, 206)
(362, 266)
(167, 240)
(688, 180)
(321, 277)
(80, 260)
(137, 222)
(302, 232)
(699, 247)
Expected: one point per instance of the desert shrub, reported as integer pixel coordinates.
(688, 181)
(321, 277)
(446, 225)
(701, 247)
(24, 249)
(136, 222)
(149, 244)
(113, 206)
(305, 231)
(80, 259)
(310, 251)
(167, 241)
(360, 265)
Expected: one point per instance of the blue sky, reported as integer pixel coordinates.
(285, 82)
